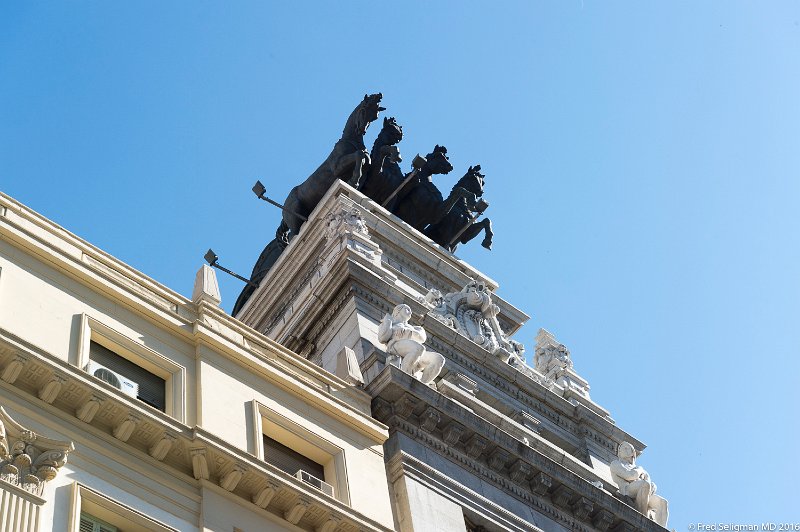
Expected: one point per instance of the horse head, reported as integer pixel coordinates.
(437, 161)
(473, 180)
(392, 132)
(367, 112)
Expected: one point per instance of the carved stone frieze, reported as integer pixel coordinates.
(27, 459)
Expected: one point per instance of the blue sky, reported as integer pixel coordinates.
(641, 163)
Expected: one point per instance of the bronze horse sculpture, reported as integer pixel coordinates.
(420, 203)
(384, 174)
(346, 161)
(458, 225)
(262, 266)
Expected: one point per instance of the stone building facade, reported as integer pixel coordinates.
(126, 406)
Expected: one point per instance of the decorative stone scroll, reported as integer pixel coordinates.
(552, 360)
(28, 460)
(472, 313)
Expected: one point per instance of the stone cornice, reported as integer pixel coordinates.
(182, 451)
(472, 443)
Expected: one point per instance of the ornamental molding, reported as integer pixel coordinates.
(27, 459)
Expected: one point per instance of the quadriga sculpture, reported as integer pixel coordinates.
(346, 162)
(466, 195)
(385, 174)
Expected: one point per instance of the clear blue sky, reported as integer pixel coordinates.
(641, 160)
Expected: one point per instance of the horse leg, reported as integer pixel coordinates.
(292, 205)
(477, 227)
(487, 238)
(357, 160)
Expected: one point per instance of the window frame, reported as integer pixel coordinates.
(273, 424)
(174, 375)
(103, 508)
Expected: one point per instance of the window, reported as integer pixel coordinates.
(292, 447)
(93, 524)
(289, 460)
(91, 511)
(131, 366)
(127, 376)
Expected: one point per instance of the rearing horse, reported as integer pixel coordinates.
(346, 162)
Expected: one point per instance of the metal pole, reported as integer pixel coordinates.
(481, 210)
(406, 181)
(418, 163)
(259, 189)
(212, 259)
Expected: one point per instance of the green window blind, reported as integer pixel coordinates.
(93, 524)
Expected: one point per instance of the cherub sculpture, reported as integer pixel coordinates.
(404, 342)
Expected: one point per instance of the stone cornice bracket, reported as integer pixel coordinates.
(472, 313)
(27, 459)
(330, 524)
(125, 428)
(162, 446)
(264, 496)
(296, 511)
(231, 479)
(13, 369)
(51, 388)
(89, 409)
(199, 463)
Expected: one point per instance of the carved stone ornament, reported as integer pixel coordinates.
(472, 313)
(552, 360)
(27, 459)
(345, 220)
(346, 229)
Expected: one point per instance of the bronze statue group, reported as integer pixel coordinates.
(377, 174)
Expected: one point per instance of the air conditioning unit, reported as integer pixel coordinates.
(310, 479)
(113, 378)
